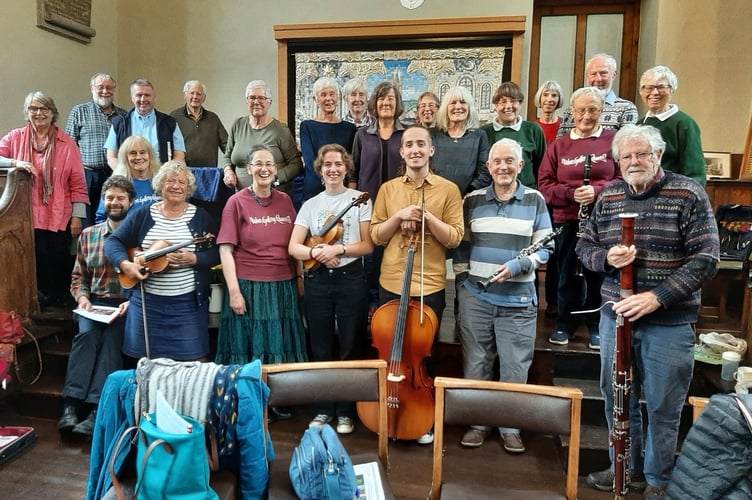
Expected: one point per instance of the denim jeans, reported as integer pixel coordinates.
(662, 364)
(336, 304)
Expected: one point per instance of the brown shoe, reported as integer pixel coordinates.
(513, 442)
(473, 438)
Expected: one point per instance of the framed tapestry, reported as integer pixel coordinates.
(419, 55)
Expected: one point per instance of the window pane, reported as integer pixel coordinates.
(557, 52)
(604, 34)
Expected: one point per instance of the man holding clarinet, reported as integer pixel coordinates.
(675, 251)
(498, 315)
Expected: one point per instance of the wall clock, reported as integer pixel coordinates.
(411, 4)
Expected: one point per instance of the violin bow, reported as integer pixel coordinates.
(422, 245)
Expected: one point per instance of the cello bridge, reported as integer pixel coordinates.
(395, 378)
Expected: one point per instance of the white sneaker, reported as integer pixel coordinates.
(426, 438)
(320, 420)
(345, 425)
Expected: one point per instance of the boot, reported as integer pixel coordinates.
(86, 427)
(68, 420)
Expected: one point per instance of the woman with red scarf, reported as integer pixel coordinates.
(58, 198)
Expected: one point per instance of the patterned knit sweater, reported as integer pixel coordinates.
(676, 237)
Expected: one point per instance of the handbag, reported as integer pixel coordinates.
(320, 468)
(11, 329)
(11, 334)
(173, 466)
(735, 231)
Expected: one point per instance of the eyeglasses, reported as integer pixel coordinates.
(662, 88)
(260, 164)
(259, 98)
(105, 87)
(427, 105)
(640, 157)
(173, 182)
(38, 109)
(583, 111)
(507, 102)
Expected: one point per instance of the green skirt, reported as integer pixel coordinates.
(271, 329)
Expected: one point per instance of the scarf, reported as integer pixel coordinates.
(48, 149)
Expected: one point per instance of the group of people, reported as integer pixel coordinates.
(334, 220)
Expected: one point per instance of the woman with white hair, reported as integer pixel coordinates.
(548, 100)
(461, 147)
(260, 128)
(325, 128)
(58, 194)
(683, 153)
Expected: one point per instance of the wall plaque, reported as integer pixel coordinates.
(69, 18)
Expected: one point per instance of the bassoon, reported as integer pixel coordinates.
(584, 212)
(622, 371)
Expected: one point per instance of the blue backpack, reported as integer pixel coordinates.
(320, 468)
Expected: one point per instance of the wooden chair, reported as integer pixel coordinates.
(543, 409)
(294, 384)
(698, 404)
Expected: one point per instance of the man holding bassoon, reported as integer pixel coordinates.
(675, 251)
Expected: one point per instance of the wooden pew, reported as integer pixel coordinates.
(18, 288)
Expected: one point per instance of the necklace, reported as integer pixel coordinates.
(262, 204)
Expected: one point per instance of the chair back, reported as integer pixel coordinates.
(294, 384)
(542, 409)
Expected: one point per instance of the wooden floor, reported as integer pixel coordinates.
(57, 468)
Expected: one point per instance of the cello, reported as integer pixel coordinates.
(403, 331)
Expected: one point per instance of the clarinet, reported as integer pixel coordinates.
(529, 250)
(622, 372)
(583, 213)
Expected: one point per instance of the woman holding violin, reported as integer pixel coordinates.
(336, 295)
(260, 316)
(170, 288)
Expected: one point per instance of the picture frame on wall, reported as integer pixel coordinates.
(718, 165)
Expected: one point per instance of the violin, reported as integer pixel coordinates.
(154, 260)
(404, 330)
(330, 232)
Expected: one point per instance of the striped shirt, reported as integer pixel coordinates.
(88, 126)
(173, 281)
(495, 232)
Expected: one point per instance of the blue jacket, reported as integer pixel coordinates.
(716, 456)
(115, 415)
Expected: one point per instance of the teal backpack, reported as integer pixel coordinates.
(320, 468)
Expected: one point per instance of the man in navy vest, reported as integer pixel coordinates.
(160, 129)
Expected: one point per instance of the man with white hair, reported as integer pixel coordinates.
(88, 126)
(498, 316)
(202, 130)
(600, 71)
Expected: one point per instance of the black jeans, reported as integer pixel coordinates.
(336, 305)
(576, 293)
